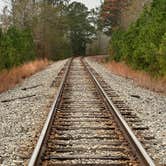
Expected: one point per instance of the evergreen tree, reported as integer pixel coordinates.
(81, 30)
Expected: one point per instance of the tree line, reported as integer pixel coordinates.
(143, 44)
(53, 29)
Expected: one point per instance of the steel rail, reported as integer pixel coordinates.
(37, 153)
(135, 144)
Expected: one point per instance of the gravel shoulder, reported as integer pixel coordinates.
(24, 113)
(150, 107)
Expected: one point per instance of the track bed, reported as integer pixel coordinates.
(83, 130)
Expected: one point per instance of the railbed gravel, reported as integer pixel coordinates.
(150, 107)
(23, 116)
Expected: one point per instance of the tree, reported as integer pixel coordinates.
(58, 2)
(81, 30)
(143, 44)
(110, 14)
(51, 29)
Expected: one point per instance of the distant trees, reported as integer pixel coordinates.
(23, 12)
(110, 14)
(81, 30)
(52, 29)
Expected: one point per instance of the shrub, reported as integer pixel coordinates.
(162, 55)
(16, 47)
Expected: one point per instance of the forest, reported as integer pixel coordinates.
(52, 29)
(143, 44)
(57, 29)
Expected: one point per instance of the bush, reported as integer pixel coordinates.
(16, 47)
(143, 45)
(162, 55)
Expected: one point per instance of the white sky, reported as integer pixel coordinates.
(3, 3)
(89, 3)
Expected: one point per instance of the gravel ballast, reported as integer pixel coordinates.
(23, 111)
(149, 106)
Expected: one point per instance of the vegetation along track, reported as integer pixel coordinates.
(84, 127)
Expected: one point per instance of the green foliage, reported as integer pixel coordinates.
(66, 29)
(53, 42)
(143, 45)
(80, 27)
(58, 28)
(16, 47)
(162, 55)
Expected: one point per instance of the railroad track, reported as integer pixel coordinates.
(84, 127)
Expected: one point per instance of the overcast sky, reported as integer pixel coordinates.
(89, 3)
(3, 3)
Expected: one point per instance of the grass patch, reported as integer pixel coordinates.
(141, 78)
(9, 78)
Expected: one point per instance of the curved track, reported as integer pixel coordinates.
(85, 128)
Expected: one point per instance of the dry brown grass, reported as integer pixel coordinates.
(141, 78)
(9, 78)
